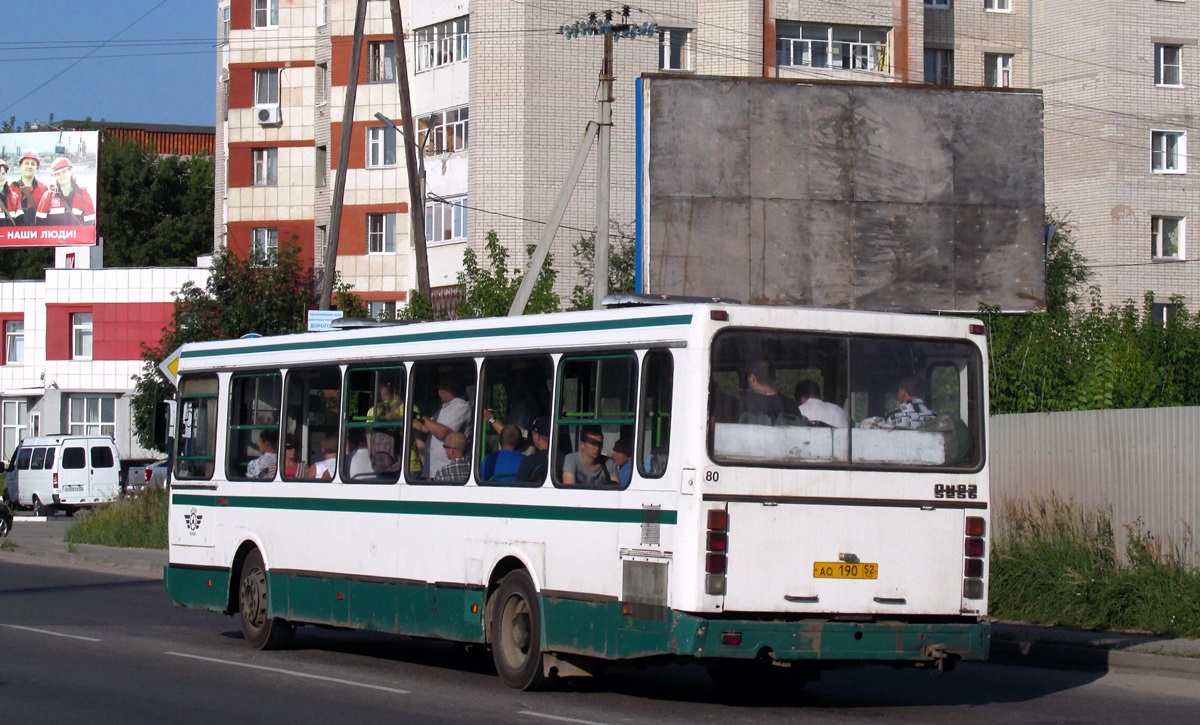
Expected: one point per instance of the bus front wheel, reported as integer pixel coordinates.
(517, 632)
(261, 630)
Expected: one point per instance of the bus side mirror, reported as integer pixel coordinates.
(164, 418)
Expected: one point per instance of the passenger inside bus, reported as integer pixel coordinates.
(912, 412)
(761, 402)
(502, 465)
(323, 468)
(459, 466)
(588, 466)
(358, 458)
(622, 455)
(817, 411)
(533, 467)
(454, 416)
(264, 466)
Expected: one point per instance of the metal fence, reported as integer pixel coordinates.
(1142, 465)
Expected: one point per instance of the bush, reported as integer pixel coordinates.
(138, 522)
(1054, 563)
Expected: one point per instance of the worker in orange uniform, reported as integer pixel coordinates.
(67, 203)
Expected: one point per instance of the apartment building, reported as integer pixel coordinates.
(502, 99)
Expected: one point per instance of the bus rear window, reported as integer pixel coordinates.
(790, 399)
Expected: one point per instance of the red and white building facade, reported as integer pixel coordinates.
(73, 342)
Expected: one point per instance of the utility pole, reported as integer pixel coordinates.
(603, 164)
(339, 184)
(416, 185)
(600, 131)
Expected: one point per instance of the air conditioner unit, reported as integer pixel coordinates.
(267, 114)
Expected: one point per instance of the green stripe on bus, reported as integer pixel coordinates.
(551, 329)
(431, 508)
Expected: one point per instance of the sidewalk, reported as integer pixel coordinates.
(38, 541)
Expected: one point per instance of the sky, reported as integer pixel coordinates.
(131, 61)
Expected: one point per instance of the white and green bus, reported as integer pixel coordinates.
(311, 488)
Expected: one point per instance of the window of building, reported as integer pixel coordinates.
(997, 6)
(266, 85)
(266, 167)
(381, 309)
(266, 13)
(92, 415)
(322, 164)
(937, 3)
(443, 44)
(14, 424)
(14, 342)
(997, 70)
(1163, 312)
(1166, 237)
(381, 233)
(381, 147)
(225, 24)
(1168, 65)
(319, 245)
(444, 132)
(322, 84)
(323, 12)
(674, 49)
(939, 67)
(1168, 152)
(381, 62)
(81, 336)
(264, 245)
(835, 47)
(446, 219)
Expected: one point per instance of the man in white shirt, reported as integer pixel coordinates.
(453, 417)
(815, 409)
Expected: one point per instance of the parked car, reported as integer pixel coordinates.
(154, 474)
(63, 473)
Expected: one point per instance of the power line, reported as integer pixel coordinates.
(77, 62)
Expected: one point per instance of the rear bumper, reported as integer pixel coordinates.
(824, 640)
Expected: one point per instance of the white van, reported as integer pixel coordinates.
(64, 472)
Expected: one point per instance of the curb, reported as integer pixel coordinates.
(88, 557)
(1044, 654)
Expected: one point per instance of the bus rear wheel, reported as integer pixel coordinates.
(516, 636)
(261, 630)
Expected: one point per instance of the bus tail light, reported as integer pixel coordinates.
(974, 550)
(716, 545)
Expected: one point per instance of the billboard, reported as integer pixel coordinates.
(48, 196)
(864, 196)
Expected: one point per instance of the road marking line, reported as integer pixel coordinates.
(560, 718)
(293, 673)
(53, 634)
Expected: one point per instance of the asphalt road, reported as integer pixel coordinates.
(79, 645)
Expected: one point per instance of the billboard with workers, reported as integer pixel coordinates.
(48, 191)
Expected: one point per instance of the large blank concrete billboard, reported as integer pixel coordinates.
(863, 196)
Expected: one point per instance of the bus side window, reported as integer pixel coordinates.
(654, 442)
(442, 391)
(312, 407)
(196, 437)
(254, 412)
(514, 392)
(596, 407)
(374, 423)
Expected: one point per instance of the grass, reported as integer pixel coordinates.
(138, 522)
(8, 545)
(1055, 563)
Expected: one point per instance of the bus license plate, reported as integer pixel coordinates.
(842, 570)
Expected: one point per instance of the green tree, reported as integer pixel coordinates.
(621, 265)
(490, 291)
(265, 296)
(156, 210)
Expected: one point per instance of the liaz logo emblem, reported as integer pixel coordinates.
(193, 520)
